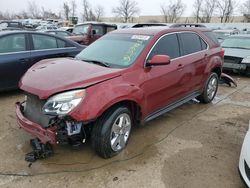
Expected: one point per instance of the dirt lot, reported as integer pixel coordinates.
(193, 146)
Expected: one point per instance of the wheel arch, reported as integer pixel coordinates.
(217, 70)
(132, 105)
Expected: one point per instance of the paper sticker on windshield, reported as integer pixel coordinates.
(140, 37)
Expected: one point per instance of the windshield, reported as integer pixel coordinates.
(236, 42)
(118, 50)
(81, 29)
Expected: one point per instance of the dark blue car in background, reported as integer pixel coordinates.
(19, 50)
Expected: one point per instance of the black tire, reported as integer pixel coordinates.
(204, 97)
(102, 130)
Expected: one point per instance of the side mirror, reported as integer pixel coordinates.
(159, 60)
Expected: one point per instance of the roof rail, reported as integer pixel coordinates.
(186, 25)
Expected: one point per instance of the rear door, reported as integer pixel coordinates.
(194, 50)
(14, 59)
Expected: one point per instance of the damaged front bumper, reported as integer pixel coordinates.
(47, 135)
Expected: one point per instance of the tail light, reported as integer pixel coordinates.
(222, 52)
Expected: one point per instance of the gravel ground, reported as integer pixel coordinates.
(193, 146)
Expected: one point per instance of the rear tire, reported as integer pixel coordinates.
(111, 132)
(210, 89)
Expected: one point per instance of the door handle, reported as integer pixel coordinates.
(180, 67)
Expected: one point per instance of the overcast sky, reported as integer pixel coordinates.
(147, 7)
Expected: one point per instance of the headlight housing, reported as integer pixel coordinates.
(246, 60)
(63, 103)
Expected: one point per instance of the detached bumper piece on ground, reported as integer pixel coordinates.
(226, 79)
(40, 151)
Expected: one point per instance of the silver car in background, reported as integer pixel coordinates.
(237, 54)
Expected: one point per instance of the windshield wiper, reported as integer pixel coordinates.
(102, 63)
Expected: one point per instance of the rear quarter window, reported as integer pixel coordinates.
(63, 44)
(109, 29)
(203, 44)
(212, 37)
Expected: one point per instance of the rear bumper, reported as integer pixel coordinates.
(44, 135)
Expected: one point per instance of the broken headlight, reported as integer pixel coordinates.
(63, 103)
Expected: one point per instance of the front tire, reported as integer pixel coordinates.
(111, 132)
(210, 89)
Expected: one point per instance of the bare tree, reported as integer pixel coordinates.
(207, 10)
(1, 16)
(99, 13)
(66, 10)
(225, 9)
(164, 12)
(89, 14)
(45, 14)
(197, 10)
(245, 8)
(33, 10)
(126, 10)
(86, 11)
(23, 14)
(173, 11)
(73, 8)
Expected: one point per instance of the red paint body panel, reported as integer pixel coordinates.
(55, 75)
(44, 135)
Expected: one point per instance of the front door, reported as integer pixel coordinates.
(162, 85)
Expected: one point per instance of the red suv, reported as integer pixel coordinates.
(87, 33)
(126, 78)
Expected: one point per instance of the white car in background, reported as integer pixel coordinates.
(244, 163)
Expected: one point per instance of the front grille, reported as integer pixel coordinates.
(33, 110)
(230, 59)
(247, 170)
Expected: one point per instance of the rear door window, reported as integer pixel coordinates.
(43, 42)
(191, 43)
(13, 43)
(167, 45)
(99, 29)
